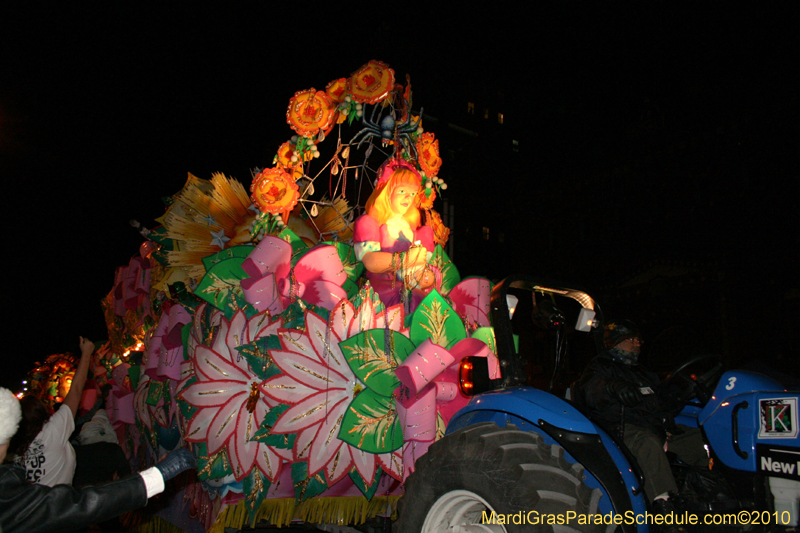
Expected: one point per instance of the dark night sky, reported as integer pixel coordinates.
(104, 108)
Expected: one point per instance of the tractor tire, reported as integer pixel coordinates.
(486, 468)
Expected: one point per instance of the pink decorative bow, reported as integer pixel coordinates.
(165, 348)
(273, 284)
(430, 377)
(131, 286)
(471, 300)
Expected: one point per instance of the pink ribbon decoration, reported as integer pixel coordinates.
(171, 353)
(165, 347)
(418, 416)
(424, 364)
(273, 284)
(471, 300)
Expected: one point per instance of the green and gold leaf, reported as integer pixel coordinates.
(367, 490)
(264, 433)
(221, 286)
(255, 486)
(434, 319)
(370, 423)
(257, 355)
(216, 466)
(450, 275)
(367, 296)
(306, 486)
(228, 253)
(373, 362)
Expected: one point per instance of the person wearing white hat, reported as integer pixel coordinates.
(32, 508)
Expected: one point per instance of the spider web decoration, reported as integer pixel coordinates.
(374, 122)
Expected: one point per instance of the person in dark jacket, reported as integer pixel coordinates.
(622, 397)
(32, 508)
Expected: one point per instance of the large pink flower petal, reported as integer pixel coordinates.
(261, 325)
(327, 440)
(340, 465)
(326, 344)
(220, 344)
(242, 450)
(310, 411)
(308, 371)
(302, 443)
(392, 463)
(269, 462)
(197, 430)
(212, 393)
(224, 423)
(285, 389)
(237, 333)
(213, 366)
(363, 320)
(364, 462)
(341, 317)
(293, 341)
(394, 315)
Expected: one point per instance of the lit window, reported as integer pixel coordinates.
(485, 113)
(485, 233)
(471, 108)
(515, 146)
(499, 118)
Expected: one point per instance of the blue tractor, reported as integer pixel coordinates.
(521, 459)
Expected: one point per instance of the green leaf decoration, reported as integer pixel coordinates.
(285, 441)
(306, 486)
(487, 336)
(367, 295)
(450, 275)
(221, 286)
(366, 353)
(367, 490)
(434, 319)
(370, 423)
(154, 392)
(228, 253)
(159, 235)
(352, 266)
(134, 373)
(350, 287)
(255, 487)
(216, 466)
(257, 355)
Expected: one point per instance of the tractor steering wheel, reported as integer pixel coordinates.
(700, 387)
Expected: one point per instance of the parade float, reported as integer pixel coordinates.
(301, 339)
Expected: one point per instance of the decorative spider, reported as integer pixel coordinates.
(387, 128)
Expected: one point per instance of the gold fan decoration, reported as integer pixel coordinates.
(205, 217)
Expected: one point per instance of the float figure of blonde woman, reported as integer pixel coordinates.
(390, 240)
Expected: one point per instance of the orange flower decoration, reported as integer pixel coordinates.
(426, 202)
(371, 83)
(274, 191)
(337, 90)
(440, 232)
(285, 153)
(428, 152)
(310, 111)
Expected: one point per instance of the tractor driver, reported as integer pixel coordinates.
(621, 396)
